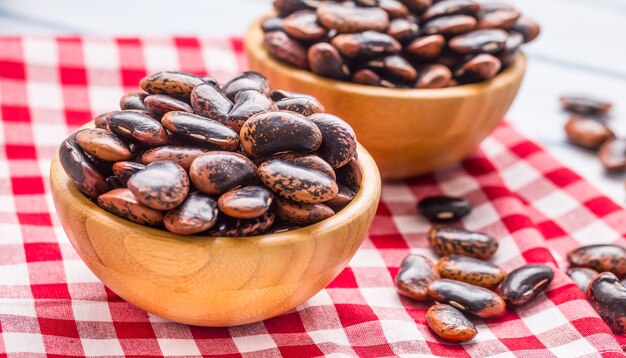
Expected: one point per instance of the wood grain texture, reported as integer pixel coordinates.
(407, 131)
(214, 281)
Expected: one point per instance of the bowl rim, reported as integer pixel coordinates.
(253, 44)
(368, 194)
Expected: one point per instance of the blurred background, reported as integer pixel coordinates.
(581, 51)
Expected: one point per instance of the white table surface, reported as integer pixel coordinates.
(582, 49)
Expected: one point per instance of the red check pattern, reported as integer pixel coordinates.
(52, 305)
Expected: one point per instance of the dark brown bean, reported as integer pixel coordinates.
(287, 7)
(279, 131)
(133, 100)
(303, 25)
(367, 3)
(367, 77)
(338, 139)
(451, 7)
(227, 226)
(608, 298)
(366, 44)
(139, 127)
(450, 25)
(304, 178)
(278, 95)
(123, 203)
(433, 76)
(210, 80)
(161, 103)
(450, 324)
(426, 47)
(511, 48)
(210, 102)
(394, 8)
(448, 240)
(200, 130)
(301, 214)
(467, 298)
(103, 145)
(162, 185)
(443, 208)
(611, 258)
(501, 18)
(286, 49)
(124, 170)
(524, 283)
(417, 6)
(81, 169)
(272, 24)
(342, 199)
(416, 273)
(247, 104)
(395, 66)
(582, 276)
(217, 172)
(586, 105)
(196, 214)
(587, 132)
(485, 40)
(246, 202)
(350, 174)
(403, 29)
(248, 80)
(101, 121)
(471, 270)
(612, 154)
(350, 19)
(326, 61)
(180, 155)
(174, 84)
(527, 27)
(305, 106)
(479, 68)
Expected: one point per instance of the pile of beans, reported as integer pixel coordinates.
(463, 281)
(398, 43)
(194, 157)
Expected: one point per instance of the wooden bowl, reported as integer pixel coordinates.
(407, 131)
(214, 281)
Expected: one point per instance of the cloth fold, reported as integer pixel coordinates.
(50, 303)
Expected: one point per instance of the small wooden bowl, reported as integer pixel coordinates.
(214, 281)
(407, 131)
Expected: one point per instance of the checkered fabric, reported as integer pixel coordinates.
(51, 304)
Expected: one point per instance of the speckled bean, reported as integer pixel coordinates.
(103, 145)
(134, 100)
(582, 276)
(81, 169)
(174, 84)
(366, 44)
(342, 199)
(227, 226)
(196, 214)
(160, 103)
(246, 202)
(123, 203)
(325, 60)
(450, 324)
(484, 40)
(208, 101)
(301, 214)
(350, 19)
(181, 155)
(611, 258)
(200, 130)
(286, 49)
(447, 240)
(248, 80)
(217, 172)
(247, 104)
(124, 170)
(416, 273)
(161, 185)
(467, 298)
(338, 139)
(471, 270)
(608, 297)
(524, 283)
(138, 127)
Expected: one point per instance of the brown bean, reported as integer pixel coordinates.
(350, 174)
(305, 106)
(367, 77)
(302, 214)
(582, 276)
(161, 103)
(467, 298)
(180, 155)
(350, 19)
(124, 170)
(527, 27)
(123, 203)
(286, 49)
(101, 121)
(394, 9)
(227, 226)
(139, 127)
(81, 169)
(196, 214)
(134, 100)
(511, 48)
(217, 172)
(273, 23)
(287, 7)
(395, 66)
(417, 6)
(433, 76)
(248, 80)
(450, 324)
(247, 104)
(246, 202)
(450, 25)
(441, 208)
(416, 273)
(477, 41)
(210, 102)
(338, 139)
(612, 154)
(403, 29)
(279, 131)
(426, 47)
(447, 240)
(479, 68)
(303, 25)
(277, 95)
(200, 130)
(342, 199)
(162, 185)
(502, 18)
(471, 270)
(304, 178)
(608, 298)
(366, 44)
(174, 84)
(587, 132)
(586, 105)
(524, 283)
(103, 145)
(600, 257)
(451, 7)
(326, 61)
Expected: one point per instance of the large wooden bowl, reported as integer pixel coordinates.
(214, 281)
(407, 131)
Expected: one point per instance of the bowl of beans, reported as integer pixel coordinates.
(215, 204)
(421, 82)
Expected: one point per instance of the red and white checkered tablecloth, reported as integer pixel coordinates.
(51, 304)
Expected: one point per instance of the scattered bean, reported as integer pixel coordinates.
(612, 154)
(582, 276)
(524, 283)
(611, 258)
(443, 208)
(471, 270)
(450, 324)
(416, 273)
(447, 240)
(467, 298)
(585, 105)
(608, 297)
(587, 132)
